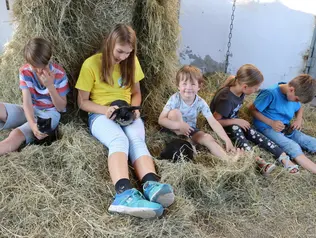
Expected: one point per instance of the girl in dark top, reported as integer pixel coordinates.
(225, 107)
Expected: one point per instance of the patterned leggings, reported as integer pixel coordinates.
(242, 138)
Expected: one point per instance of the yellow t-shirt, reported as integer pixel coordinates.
(102, 93)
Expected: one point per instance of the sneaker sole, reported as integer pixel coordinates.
(137, 212)
(165, 197)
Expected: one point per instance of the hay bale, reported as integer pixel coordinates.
(75, 28)
(156, 23)
(64, 190)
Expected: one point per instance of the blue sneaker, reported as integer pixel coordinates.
(161, 193)
(133, 203)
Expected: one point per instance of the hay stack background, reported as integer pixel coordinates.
(64, 190)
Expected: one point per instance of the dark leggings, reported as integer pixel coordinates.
(242, 138)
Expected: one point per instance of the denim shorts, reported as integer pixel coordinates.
(129, 139)
(292, 144)
(16, 119)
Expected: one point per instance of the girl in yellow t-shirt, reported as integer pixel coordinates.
(112, 75)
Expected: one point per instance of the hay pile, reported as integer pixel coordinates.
(75, 28)
(64, 190)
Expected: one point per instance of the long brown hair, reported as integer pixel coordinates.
(247, 74)
(120, 34)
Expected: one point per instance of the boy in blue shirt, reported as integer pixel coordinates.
(273, 110)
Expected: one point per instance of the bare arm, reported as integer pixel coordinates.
(29, 113)
(28, 107)
(234, 121)
(297, 123)
(276, 125)
(85, 104)
(60, 102)
(136, 95)
(299, 114)
(219, 130)
(259, 115)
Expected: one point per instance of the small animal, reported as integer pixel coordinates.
(44, 126)
(178, 150)
(125, 112)
(288, 130)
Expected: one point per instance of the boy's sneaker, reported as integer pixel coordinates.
(265, 167)
(133, 203)
(159, 192)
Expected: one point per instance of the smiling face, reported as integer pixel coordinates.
(188, 88)
(121, 52)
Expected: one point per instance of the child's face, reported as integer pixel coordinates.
(121, 52)
(250, 90)
(188, 88)
(39, 70)
(291, 95)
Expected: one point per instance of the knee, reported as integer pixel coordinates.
(16, 134)
(118, 144)
(3, 112)
(292, 148)
(202, 137)
(174, 115)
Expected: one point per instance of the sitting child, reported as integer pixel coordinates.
(180, 113)
(273, 110)
(225, 107)
(44, 87)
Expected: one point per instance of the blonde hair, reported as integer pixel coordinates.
(189, 72)
(120, 34)
(247, 74)
(38, 52)
(305, 87)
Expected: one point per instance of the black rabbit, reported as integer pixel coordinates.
(125, 112)
(178, 150)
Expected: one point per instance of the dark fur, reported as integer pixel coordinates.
(44, 126)
(124, 114)
(178, 150)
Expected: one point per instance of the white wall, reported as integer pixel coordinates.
(272, 34)
(6, 28)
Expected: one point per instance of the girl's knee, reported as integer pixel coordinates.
(118, 144)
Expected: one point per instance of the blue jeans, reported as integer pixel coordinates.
(129, 139)
(292, 144)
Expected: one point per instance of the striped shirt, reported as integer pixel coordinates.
(40, 96)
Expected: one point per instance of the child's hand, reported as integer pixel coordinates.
(39, 135)
(277, 126)
(243, 124)
(47, 78)
(297, 125)
(110, 111)
(136, 114)
(185, 128)
(230, 147)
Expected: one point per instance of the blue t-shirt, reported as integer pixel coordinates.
(272, 103)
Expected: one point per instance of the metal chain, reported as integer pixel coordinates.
(230, 35)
